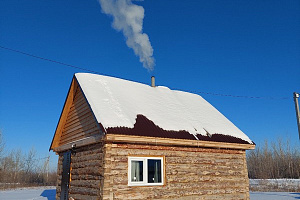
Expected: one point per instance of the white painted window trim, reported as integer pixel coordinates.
(145, 171)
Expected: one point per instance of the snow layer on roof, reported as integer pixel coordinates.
(117, 102)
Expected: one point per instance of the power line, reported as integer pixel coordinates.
(47, 59)
(239, 96)
(196, 92)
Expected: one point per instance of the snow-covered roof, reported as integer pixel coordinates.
(117, 103)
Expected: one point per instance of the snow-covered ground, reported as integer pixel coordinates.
(278, 185)
(48, 193)
(274, 195)
(35, 193)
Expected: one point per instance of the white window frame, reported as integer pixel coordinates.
(145, 171)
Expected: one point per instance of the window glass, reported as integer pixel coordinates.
(154, 171)
(136, 171)
(144, 171)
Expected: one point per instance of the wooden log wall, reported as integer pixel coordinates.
(59, 175)
(86, 173)
(191, 173)
(80, 121)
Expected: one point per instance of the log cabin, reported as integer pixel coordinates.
(117, 139)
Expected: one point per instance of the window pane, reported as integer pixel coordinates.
(136, 171)
(154, 171)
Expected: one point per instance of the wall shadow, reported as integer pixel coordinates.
(50, 194)
(298, 195)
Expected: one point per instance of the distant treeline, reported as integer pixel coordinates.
(270, 161)
(18, 169)
(274, 160)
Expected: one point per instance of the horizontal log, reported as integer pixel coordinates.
(86, 177)
(177, 142)
(88, 171)
(174, 149)
(95, 164)
(92, 157)
(84, 197)
(84, 190)
(86, 183)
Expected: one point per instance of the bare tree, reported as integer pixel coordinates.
(278, 160)
(12, 165)
(18, 169)
(2, 145)
(30, 161)
(30, 165)
(18, 165)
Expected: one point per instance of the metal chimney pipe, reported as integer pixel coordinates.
(152, 81)
(296, 96)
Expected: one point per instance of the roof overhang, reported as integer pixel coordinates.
(131, 139)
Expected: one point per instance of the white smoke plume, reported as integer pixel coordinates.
(128, 18)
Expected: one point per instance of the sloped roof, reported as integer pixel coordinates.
(117, 103)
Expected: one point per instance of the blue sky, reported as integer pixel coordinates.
(236, 47)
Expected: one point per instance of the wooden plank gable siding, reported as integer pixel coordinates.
(191, 173)
(80, 121)
(64, 113)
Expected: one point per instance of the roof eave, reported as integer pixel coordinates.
(175, 142)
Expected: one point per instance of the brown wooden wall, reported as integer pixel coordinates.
(191, 173)
(59, 175)
(80, 121)
(86, 173)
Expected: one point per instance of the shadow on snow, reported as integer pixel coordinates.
(298, 195)
(50, 194)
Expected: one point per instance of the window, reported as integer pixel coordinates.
(145, 171)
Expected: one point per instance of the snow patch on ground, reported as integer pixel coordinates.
(32, 193)
(48, 193)
(274, 196)
(280, 185)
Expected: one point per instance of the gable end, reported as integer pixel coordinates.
(77, 121)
